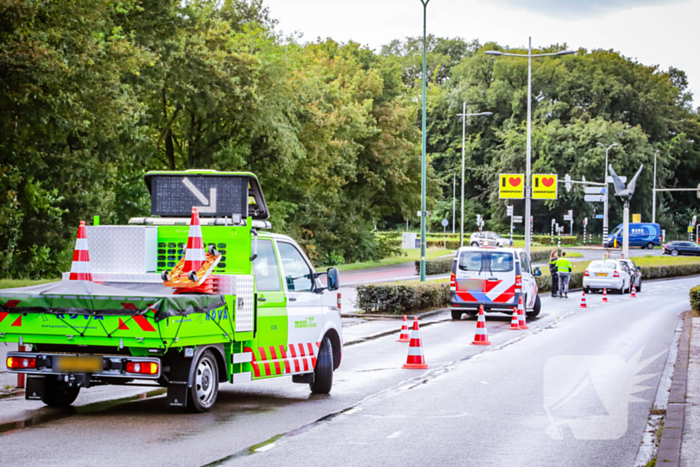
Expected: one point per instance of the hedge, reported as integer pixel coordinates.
(695, 298)
(402, 297)
(444, 265)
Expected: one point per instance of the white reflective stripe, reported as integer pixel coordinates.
(415, 334)
(242, 377)
(195, 231)
(243, 357)
(80, 266)
(195, 254)
(414, 351)
(81, 244)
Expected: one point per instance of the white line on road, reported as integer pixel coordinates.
(395, 434)
(267, 447)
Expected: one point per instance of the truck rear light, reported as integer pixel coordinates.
(586, 274)
(144, 368)
(20, 363)
(453, 280)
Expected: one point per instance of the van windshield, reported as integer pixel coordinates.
(616, 232)
(470, 261)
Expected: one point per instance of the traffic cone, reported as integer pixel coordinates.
(415, 359)
(583, 300)
(80, 269)
(195, 254)
(514, 326)
(481, 337)
(605, 295)
(634, 292)
(521, 314)
(403, 337)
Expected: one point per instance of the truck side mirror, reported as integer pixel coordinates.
(333, 279)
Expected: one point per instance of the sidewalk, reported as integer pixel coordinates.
(690, 446)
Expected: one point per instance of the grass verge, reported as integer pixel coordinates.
(411, 256)
(12, 283)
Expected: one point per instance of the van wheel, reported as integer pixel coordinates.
(474, 244)
(650, 246)
(58, 393)
(536, 310)
(205, 386)
(323, 373)
(456, 315)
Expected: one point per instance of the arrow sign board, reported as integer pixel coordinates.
(594, 190)
(511, 186)
(509, 210)
(517, 219)
(594, 198)
(622, 179)
(567, 217)
(544, 186)
(213, 196)
(599, 216)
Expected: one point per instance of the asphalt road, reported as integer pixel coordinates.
(533, 397)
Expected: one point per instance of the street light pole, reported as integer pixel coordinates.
(528, 176)
(653, 205)
(423, 159)
(464, 116)
(605, 181)
(454, 199)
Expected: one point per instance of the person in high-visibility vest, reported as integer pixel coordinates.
(553, 257)
(564, 268)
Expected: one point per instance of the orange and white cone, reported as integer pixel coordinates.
(634, 291)
(605, 295)
(514, 323)
(481, 337)
(415, 359)
(583, 300)
(195, 254)
(521, 314)
(403, 337)
(80, 269)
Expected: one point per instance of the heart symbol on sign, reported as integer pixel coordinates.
(547, 181)
(514, 181)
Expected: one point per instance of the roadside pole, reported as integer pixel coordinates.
(585, 222)
(552, 230)
(626, 230)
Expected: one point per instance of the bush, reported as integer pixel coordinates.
(402, 297)
(671, 270)
(436, 266)
(450, 244)
(695, 298)
(544, 283)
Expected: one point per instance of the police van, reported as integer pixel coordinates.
(494, 278)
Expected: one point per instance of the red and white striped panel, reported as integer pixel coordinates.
(278, 360)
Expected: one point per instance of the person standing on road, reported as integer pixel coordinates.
(553, 256)
(564, 268)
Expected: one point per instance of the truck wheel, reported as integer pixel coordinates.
(205, 387)
(456, 315)
(536, 310)
(650, 246)
(323, 379)
(58, 393)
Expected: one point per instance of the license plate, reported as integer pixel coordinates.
(605, 274)
(78, 364)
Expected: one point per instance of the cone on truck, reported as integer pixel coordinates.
(80, 268)
(415, 359)
(481, 336)
(403, 336)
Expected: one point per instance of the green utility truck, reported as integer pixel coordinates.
(265, 315)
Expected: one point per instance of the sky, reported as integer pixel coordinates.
(653, 32)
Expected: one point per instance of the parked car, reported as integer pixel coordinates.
(489, 239)
(611, 274)
(644, 235)
(682, 248)
(495, 278)
(635, 272)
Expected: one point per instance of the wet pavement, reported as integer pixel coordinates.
(475, 405)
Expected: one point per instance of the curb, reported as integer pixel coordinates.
(425, 314)
(669, 452)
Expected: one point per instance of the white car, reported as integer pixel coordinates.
(489, 239)
(608, 274)
(495, 278)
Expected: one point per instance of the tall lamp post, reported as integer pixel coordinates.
(464, 116)
(423, 160)
(454, 199)
(653, 202)
(605, 180)
(528, 176)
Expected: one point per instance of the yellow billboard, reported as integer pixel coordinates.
(544, 186)
(636, 218)
(511, 186)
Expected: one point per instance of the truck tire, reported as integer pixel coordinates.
(205, 386)
(323, 373)
(536, 310)
(650, 246)
(457, 315)
(58, 393)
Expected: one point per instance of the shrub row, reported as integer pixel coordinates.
(436, 266)
(695, 298)
(402, 297)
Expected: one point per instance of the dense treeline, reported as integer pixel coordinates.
(96, 92)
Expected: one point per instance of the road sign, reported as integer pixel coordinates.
(567, 217)
(698, 190)
(599, 216)
(595, 199)
(509, 210)
(445, 222)
(622, 179)
(567, 182)
(690, 229)
(636, 218)
(544, 186)
(511, 186)
(517, 219)
(427, 213)
(594, 190)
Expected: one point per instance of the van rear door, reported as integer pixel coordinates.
(485, 277)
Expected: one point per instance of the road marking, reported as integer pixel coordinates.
(267, 447)
(483, 382)
(395, 434)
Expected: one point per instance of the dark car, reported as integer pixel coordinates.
(682, 248)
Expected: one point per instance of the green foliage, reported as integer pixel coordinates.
(436, 266)
(402, 297)
(695, 298)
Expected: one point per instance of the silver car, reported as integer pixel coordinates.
(489, 239)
